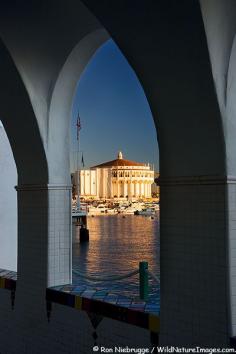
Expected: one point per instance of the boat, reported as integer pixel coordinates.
(78, 213)
(146, 212)
(129, 210)
(112, 211)
(101, 209)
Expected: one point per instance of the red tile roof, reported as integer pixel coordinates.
(119, 162)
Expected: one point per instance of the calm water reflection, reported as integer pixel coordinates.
(116, 246)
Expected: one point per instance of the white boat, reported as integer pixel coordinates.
(146, 212)
(130, 210)
(98, 210)
(78, 212)
(112, 211)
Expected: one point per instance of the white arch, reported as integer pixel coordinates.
(61, 104)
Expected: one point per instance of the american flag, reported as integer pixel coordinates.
(78, 125)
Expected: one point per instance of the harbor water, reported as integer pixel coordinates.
(117, 245)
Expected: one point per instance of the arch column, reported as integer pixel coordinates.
(45, 248)
(222, 39)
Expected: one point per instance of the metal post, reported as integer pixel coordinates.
(143, 280)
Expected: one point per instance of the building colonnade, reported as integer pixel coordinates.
(131, 189)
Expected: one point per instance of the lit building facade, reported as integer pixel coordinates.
(116, 179)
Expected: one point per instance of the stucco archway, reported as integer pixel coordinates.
(62, 100)
(21, 127)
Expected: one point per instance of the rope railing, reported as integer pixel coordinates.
(143, 272)
(109, 278)
(153, 276)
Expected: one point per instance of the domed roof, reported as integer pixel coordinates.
(119, 162)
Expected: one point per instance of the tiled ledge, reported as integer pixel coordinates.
(117, 307)
(113, 306)
(8, 281)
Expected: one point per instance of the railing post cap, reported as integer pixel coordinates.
(143, 264)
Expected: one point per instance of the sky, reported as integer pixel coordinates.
(114, 112)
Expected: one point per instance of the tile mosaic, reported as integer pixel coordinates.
(106, 303)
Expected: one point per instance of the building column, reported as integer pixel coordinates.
(139, 186)
(112, 189)
(115, 191)
(146, 190)
(118, 188)
(128, 189)
(132, 189)
(125, 189)
(44, 235)
(122, 189)
(91, 183)
(141, 189)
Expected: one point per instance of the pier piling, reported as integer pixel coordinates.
(143, 280)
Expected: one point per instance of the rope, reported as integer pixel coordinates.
(153, 276)
(109, 278)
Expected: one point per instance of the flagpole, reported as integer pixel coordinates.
(78, 125)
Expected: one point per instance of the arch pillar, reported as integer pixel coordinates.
(221, 42)
(194, 261)
(49, 247)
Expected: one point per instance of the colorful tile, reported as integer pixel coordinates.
(107, 303)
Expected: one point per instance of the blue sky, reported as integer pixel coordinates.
(114, 112)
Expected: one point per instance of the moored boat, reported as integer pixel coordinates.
(97, 210)
(146, 212)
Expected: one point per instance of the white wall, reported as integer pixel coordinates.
(8, 203)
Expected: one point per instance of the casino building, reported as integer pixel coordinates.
(116, 179)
